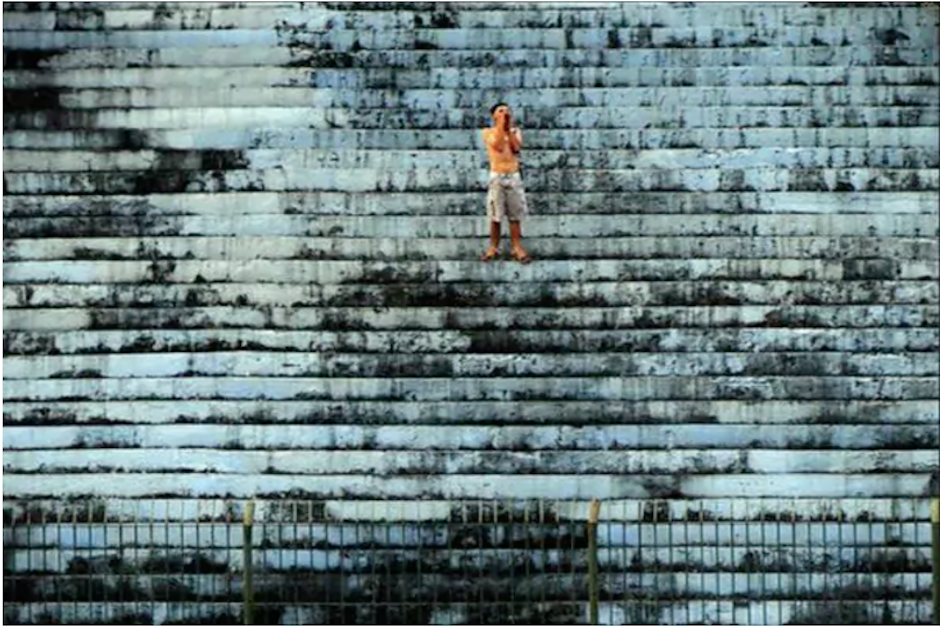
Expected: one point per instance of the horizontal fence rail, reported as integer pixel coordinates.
(288, 561)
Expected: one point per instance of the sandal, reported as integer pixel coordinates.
(522, 257)
(490, 254)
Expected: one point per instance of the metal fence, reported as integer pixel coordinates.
(737, 562)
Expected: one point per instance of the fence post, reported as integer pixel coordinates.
(935, 543)
(248, 596)
(593, 588)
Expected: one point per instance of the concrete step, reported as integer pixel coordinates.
(551, 549)
(525, 101)
(719, 546)
(767, 339)
(109, 485)
(636, 388)
(183, 117)
(556, 576)
(461, 271)
(522, 294)
(461, 203)
(851, 251)
(411, 227)
(411, 38)
(686, 159)
(373, 179)
(572, 140)
(471, 318)
(543, 517)
(467, 78)
(192, 16)
(477, 413)
(695, 611)
(302, 438)
(239, 364)
(404, 463)
(907, 54)
(713, 553)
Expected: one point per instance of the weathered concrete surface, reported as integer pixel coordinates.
(263, 56)
(382, 139)
(460, 226)
(62, 160)
(356, 272)
(485, 486)
(386, 248)
(470, 78)
(454, 203)
(239, 259)
(696, 612)
(585, 364)
(571, 413)
(528, 438)
(375, 318)
(406, 341)
(412, 462)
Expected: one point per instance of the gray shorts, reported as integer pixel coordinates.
(506, 197)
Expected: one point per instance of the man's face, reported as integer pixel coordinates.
(501, 114)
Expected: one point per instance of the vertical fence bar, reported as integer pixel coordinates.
(935, 554)
(594, 513)
(247, 585)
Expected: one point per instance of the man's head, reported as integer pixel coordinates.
(500, 112)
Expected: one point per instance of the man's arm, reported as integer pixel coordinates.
(492, 137)
(515, 140)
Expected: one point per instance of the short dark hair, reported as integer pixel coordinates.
(497, 106)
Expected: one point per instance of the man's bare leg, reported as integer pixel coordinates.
(493, 251)
(515, 234)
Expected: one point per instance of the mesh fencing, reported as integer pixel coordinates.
(760, 562)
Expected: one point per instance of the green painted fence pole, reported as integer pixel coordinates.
(593, 588)
(248, 595)
(935, 542)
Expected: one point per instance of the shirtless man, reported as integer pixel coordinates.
(506, 195)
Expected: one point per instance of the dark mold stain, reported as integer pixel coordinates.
(14, 59)
(808, 180)
(889, 36)
(111, 222)
(132, 139)
(22, 343)
(337, 321)
(24, 108)
(81, 19)
(613, 39)
(84, 253)
(679, 43)
(161, 266)
(323, 59)
(176, 171)
(641, 37)
(30, 100)
(80, 374)
(870, 269)
(141, 344)
(447, 18)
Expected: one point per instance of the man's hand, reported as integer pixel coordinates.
(515, 140)
(503, 121)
